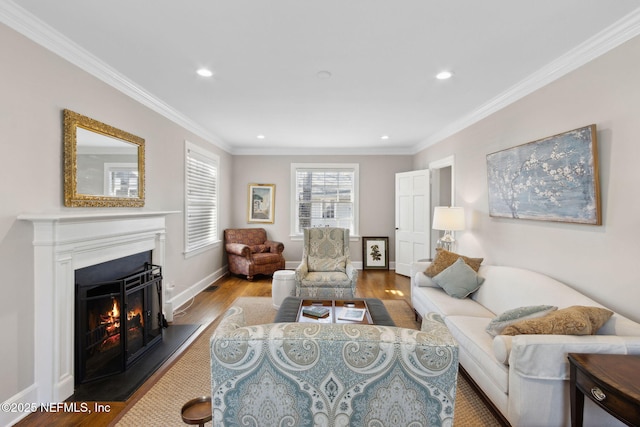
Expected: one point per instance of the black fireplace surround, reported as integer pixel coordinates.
(118, 315)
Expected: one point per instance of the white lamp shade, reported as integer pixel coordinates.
(448, 218)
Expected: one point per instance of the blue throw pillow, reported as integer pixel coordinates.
(458, 280)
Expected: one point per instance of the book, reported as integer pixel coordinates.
(351, 313)
(316, 311)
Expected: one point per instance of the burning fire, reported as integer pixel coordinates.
(111, 319)
(110, 324)
(115, 312)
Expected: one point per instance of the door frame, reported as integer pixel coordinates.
(434, 168)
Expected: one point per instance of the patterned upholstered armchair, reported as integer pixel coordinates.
(250, 252)
(326, 270)
(306, 374)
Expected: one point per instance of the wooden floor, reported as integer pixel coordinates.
(204, 309)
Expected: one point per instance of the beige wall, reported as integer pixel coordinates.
(35, 86)
(377, 192)
(598, 260)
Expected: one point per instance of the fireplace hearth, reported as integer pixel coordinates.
(117, 321)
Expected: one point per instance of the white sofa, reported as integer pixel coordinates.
(525, 376)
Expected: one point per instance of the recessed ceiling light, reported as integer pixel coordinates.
(384, 137)
(324, 74)
(444, 75)
(260, 137)
(204, 72)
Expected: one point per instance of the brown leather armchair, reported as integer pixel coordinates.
(250, 252)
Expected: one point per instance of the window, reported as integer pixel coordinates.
(324, 195)
(201, 198)
(121, 179)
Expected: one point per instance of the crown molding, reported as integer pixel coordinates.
(611, 37)
(326, 151)
(38, 31)
(31, 27)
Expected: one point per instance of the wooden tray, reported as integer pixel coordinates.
(336, 307)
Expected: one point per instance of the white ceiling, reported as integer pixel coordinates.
(383, 56)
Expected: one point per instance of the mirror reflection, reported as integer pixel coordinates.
(104, 166)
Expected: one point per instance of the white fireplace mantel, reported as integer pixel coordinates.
(64, 242)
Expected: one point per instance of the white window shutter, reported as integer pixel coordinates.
(201, 198)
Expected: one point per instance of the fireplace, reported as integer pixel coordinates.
(65, 242)
(118, 319)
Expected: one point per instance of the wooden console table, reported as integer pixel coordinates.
(612, 381)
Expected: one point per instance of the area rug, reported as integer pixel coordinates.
(190, 376)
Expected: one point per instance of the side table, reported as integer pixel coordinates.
(282, 286)
(197, 411)
(612, 381)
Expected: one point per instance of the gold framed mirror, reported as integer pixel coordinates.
(103, 165)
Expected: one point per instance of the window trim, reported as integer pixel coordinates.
(189, 252)
(355, 235)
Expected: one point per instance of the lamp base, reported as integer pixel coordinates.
(446, 242)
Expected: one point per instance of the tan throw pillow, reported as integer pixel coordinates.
(444, 259)
(574, 320)
(516, 315)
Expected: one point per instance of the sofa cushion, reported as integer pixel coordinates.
(327, 264)
(437, 300)
(266, 258)
(512, 316)
(459, 280)
(422, 280)
(258, 249)
(575, 320)
(326, 278)
(445, 259)
(506, 288)
(472, 339)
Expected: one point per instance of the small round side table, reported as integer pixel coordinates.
(197, 411)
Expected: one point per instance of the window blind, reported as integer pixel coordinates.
(325, 197)
(201, 199)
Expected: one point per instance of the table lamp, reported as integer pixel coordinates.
(447, 219)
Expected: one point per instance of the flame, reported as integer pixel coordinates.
(115, 312)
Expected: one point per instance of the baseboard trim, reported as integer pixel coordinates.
(185, 296)
(23, 399)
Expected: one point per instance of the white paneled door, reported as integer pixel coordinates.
(412, 219)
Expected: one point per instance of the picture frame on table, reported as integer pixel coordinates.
(375, 253)
(261, 203)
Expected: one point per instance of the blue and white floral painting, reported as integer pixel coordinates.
(553, 179)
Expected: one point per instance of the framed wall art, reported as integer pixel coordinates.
(552, 179)
(261, 205)
(375, 253)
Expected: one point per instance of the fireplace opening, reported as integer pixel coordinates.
(117, 321)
